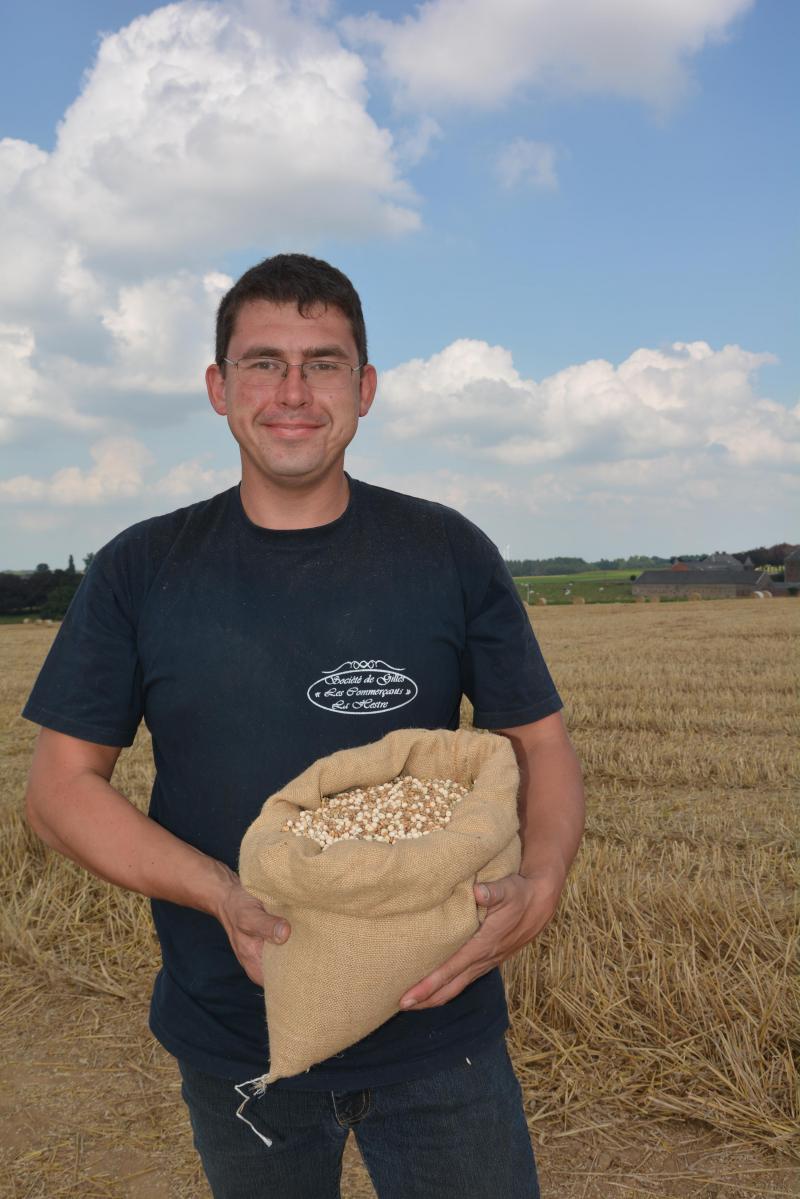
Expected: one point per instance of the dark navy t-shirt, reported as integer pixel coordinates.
(250, 653)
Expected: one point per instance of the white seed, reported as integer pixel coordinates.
(405, 807)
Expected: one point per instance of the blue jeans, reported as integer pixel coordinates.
(457, 1134)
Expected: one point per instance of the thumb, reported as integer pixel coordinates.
(487, 894)
(256, 921)
(276, 929)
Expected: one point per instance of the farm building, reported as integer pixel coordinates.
(719, 575)
(718, 581)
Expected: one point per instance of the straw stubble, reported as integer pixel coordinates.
(664, 984)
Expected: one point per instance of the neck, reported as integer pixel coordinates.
(294, 504)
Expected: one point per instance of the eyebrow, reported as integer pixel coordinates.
(329, 351)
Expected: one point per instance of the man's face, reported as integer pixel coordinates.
(290, 435)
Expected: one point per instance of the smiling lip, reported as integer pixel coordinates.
(291, 428)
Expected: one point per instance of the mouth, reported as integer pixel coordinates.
(292, 429)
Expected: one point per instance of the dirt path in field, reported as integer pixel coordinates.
(90, 1109)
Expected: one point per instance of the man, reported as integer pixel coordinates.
(213, 623)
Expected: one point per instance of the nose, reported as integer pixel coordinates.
(294, 391)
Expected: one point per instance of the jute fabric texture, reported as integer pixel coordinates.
(370, 919)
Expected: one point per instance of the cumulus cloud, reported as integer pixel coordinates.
(688, 399)
(524, 162)
(117, 473)
(30, 394)
(200, 127)
(192, 480)
(197, 131)
(121, 471)
(161, 332)
(467, 52)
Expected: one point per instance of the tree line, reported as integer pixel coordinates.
(575, 566)
(773, 555)
(42, 593)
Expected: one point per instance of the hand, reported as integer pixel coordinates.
(248, 925)
(518, 910)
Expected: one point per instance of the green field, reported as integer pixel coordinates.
(595, 586)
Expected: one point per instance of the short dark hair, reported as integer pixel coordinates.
(292, 279)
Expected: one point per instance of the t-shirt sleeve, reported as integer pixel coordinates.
(90, 685)
(504, 674)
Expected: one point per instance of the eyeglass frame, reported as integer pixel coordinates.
(268, 357)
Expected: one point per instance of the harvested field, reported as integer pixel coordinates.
(652, 1020)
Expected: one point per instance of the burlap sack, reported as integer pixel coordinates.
(370, 919)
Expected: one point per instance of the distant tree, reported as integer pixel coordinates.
(13, 594)
(42, 568)
(37, 587)
(70, 566)
(59, 598)
(57, 602)
(87, 560)
(775, 555)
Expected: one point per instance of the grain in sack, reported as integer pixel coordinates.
(370, 918)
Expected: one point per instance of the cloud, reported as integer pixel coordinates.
(414, 142)
(30, 395)
(675, 403)
(161, 332)
(466, 52)
(120, 472)
(526, 162)
(192, 480)
(117, 474)
(458, 489)
(198, 129)
(143, 364)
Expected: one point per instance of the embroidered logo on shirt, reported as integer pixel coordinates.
(365, 688)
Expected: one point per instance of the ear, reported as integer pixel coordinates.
(215, 384)
(368, 383)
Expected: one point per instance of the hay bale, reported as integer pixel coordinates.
(578, 599)
(640, 599)
(695, 595)
(542, 601)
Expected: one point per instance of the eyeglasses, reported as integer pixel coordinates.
(265, 374)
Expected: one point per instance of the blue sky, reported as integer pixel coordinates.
(572, 226)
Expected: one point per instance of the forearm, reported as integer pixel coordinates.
(551, 798)
(551, 812)
(87, 820)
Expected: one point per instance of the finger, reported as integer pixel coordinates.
(449, 991)
(488, 894)
(467, 956)
(254, 970)
(264, 927)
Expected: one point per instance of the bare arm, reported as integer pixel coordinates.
(551, 801)
(551, 812)
(72, 806)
